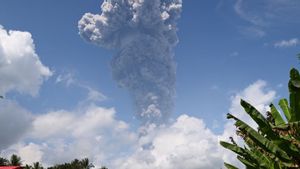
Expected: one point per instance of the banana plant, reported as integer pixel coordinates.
(276, 142)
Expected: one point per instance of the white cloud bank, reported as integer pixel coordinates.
(20, 66)
(95, 132)
(187, 143)
(20, 70)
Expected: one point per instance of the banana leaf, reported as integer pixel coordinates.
(276, 115)
(261, 141)
(260, 120)
(283, 103)
(229, 166)
(294, 89)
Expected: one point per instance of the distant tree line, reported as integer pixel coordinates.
(75, 164)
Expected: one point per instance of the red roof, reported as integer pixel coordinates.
(10, 167)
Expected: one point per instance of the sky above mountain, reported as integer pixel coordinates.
(71, 87)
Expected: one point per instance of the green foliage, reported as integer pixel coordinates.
(15, 160)
(3, 161)
(75, 164)
(37, 165)
(276, 143)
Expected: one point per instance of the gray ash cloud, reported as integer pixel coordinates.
(143, 32)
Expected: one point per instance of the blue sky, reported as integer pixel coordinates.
(224, 47)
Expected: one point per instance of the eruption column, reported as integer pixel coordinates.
(144, 34)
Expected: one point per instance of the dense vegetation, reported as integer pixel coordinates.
(276, 142)
(75, 164)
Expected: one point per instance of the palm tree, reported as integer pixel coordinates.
(27, 167)
(276, 143)
(3, 161)
(75, 164)
(15, 160)
(86, 164)
(37, 165)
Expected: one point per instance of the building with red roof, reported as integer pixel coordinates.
(10, 167)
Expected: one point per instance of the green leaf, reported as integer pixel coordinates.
(233, 148)
(259, 119)
(229, 166)
(276, 115)
(294, 89)
(261, 158)
(276, 145)
(249, 165)
(288, 147)
(283, 103)
(261, 141)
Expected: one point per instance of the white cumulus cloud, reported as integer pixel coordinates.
(20, 66)
(20, 70)
(92, 132)
(31, 153)
(96, 133)
(187, 143)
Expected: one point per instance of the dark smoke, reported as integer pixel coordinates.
(144, 34)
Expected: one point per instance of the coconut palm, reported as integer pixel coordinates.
(3, 161)
(276, 143)
(15, 160)
(75, 164)
(37, 165)
(86, 164)
(27, 167)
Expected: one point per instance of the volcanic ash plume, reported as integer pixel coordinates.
(144, 34)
